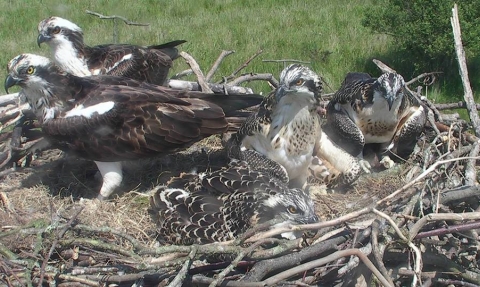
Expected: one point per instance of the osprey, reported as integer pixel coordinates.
(109, 119)
(283, 135)
(218, 206)
(150, 64)
(381, 110)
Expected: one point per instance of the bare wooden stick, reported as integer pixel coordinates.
(8, 99)
(198, 72)
(243, 66)
(450, 106)
(462, 62)
(182, 74)
(322, 261)
(440, 217)
(217, 88)
(286, 61)
(125, 20)
(383, 67)
(254, 77)
(217, 63)
(421, 76)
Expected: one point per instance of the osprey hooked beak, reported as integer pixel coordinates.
(390, 99)
(42, 38)
(282, 91)
(11, 81)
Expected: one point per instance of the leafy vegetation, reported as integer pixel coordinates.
(423, 39)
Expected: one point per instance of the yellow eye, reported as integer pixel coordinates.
(56, 30)
(299, 82)
(30, 70)
(292, 209)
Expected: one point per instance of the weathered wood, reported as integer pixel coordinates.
(8, 99)
(451, 106)
(462, 62)
(216, 88)
(198, 72)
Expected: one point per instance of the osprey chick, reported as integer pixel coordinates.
(367, 110)
(218, 206)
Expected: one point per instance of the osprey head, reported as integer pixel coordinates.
(29, 72)
(391, 87)
(56, 30)
(290, 206)
(299, 79)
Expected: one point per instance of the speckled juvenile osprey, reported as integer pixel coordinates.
(109, 119)
(375, 110)
(218, 206)
(150, 64)
(282, 137)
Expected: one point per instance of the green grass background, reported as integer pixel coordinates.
(328, 34)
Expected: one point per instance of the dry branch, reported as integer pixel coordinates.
(217, 63)
(113, 17)
(216, 88)
(197, 71)
(462, 62)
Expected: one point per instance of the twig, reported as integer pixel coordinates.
(462, 62)
(284, 61)
(198, 72)
(470, 168)
(181, 74)
(440, 217)
(313, 226)
(416, 250)
(262, 268)
(55, 242)
(450, 106)
(182, 274)
(383, 67)
(221, 275)
(77, 279)
(319, 262)
(254, 77)
(243, 66)
(421, 76)
(448, 230)
(418, 178)
(217, 88)
(125, 20)
(378, 252)
(217, 63)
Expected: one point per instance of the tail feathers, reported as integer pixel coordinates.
(169, 48)
(232, 104)
(236, 119)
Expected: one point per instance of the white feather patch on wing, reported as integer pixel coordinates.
(87, 112)
(123, 59)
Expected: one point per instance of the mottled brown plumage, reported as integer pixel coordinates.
(281, 136)
(110, 119)
(150, 64)
(218, 206)
(367, 110)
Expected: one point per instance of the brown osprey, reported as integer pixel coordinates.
(150, 64)
(380, 111)
(109, 119)
(218, 206)
(284, 136)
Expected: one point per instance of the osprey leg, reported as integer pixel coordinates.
(112, 177)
